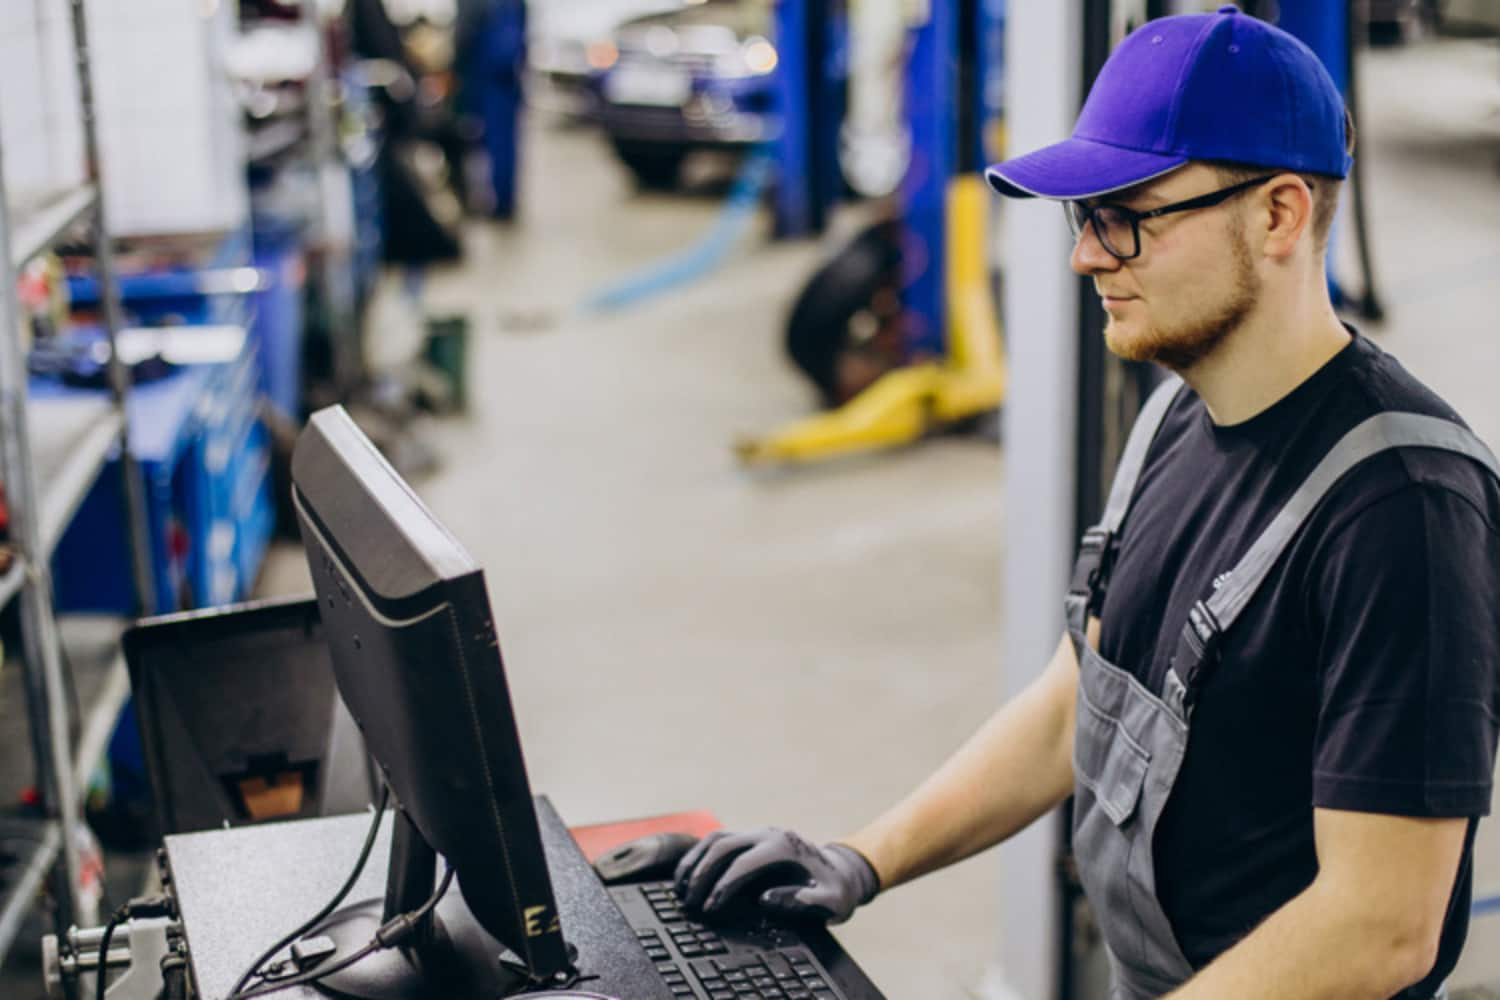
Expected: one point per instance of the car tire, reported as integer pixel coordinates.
(858, 286)
(655, 167)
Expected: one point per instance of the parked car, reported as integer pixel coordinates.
(570, 40)
(695, 78)
(1390, 22)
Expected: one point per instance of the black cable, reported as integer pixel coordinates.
(174, 977)
(391, 934)
(331, 905)
(119, 917)
(144, 907)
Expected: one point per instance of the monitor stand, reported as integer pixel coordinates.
(448, 955)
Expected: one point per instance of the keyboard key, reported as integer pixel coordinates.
(777, 965)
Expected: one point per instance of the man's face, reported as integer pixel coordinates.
(1193, 283)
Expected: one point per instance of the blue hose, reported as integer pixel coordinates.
(1483, 905)
(702, 257)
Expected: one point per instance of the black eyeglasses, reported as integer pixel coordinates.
(1119, 228)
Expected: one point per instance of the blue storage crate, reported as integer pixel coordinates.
(204, 456)
(232, 506)
(255, 280)
(277, 320)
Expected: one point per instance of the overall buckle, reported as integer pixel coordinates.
(1095, 553)
(1198, 649)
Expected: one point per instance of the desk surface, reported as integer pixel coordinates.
(239, 890)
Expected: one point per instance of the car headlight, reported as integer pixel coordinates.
(760, 56)
(755, 57)
(603, 55)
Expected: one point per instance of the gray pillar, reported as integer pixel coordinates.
(1042, 55)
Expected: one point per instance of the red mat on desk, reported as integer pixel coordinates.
(595, 840)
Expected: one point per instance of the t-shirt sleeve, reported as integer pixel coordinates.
(1404, 606)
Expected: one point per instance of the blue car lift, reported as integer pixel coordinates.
(811, 38)
(955, 370)
(1329, 29)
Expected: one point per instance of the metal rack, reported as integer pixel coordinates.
(51, 452)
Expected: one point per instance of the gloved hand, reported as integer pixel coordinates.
(791, 876)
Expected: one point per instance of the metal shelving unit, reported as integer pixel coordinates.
(39, 842)
(34, 230)
(51, 452)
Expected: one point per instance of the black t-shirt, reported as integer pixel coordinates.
(1364, 674)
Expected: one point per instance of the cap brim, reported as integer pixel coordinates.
(1078, 168)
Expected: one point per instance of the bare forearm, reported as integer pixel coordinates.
(1017, 767)
(1316, 947)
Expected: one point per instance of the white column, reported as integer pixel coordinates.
(1042, 65)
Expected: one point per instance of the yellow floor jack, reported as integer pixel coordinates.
(912, 402)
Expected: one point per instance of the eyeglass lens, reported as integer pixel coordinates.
(1112, 226)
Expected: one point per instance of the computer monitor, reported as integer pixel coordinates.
(417, 661)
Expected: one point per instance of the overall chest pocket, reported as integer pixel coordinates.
(1108, 761)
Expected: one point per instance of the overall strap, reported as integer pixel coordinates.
(1208, 620)
(1096, 552)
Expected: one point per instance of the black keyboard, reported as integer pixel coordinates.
(764, 961)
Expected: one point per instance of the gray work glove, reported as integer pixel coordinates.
(786, 874)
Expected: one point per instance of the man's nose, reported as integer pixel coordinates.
(1089, 255)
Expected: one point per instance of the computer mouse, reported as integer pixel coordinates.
(651, 857)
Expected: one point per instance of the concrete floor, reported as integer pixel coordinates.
(801, 649)
(797, 649)
(1432, 121)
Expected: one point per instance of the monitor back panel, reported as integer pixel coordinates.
(240, 720)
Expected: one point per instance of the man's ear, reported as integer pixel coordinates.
(1285, 213)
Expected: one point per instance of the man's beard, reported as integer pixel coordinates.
(1183, 345)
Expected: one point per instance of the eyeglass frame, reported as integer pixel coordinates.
(1135, 218)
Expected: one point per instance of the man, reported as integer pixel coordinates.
(1276, 705)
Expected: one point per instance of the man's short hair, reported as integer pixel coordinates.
(1325, 188)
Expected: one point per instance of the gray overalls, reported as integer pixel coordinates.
(1130, 742)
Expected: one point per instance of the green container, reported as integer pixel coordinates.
(448, 351)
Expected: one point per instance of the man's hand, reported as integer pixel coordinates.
(793, 877)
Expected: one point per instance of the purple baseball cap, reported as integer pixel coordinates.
(1222, 86)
